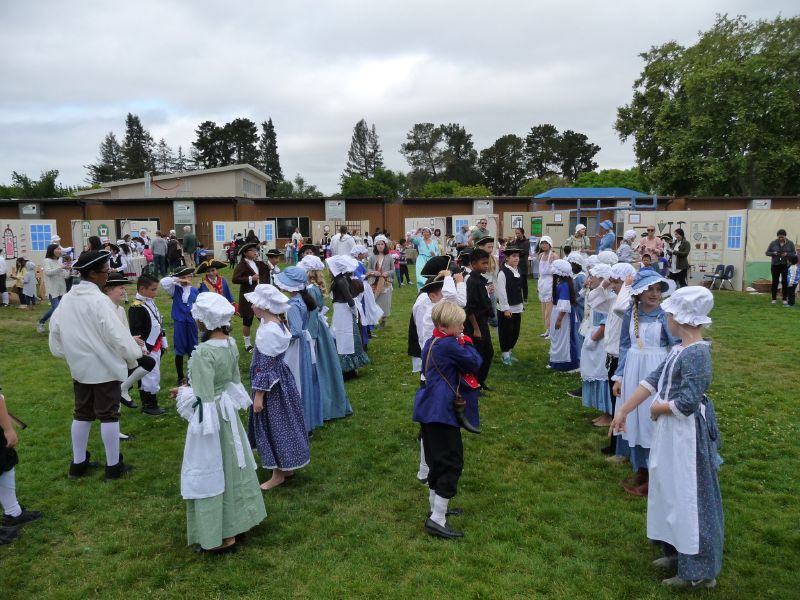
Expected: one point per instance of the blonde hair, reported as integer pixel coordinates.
(317, 278)
(447, 314)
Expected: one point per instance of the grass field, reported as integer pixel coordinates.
(544, 517)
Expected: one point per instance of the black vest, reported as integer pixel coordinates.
(513, 286)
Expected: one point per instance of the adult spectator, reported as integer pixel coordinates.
(55, 274)
(86, 331)
(342, 243)
(578, 240)
(780, 250)
(189, 246)
(174, 252)
(462, 238)
(652, 245)
(626, 251)
(521, 242)
(480, 230)
(678, 254)
(158, 245)
(145, 238)
(606, 239)
(297, 238)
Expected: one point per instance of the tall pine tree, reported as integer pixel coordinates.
(365, 155)
(242, 136)
(268, 159)
(181, 163)
(109, 164)
(137, 149)
(164, 158)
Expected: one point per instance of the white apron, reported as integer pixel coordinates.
(639, 363)
(560, 338)
(342, 326)
(672, 513)
(371, 313)
(593, 358)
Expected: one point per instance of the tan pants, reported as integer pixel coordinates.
(188, 259)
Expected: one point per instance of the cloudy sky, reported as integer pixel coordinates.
(71, 70)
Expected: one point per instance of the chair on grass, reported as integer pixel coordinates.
(727, 277)
(718, 272)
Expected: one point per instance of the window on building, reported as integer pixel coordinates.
(735, 232)
(269, 231)
(40, 237)
(251, 188)
(286, 226)
(219, 233)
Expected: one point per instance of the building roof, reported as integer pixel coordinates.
(182, 175)
(584, 193)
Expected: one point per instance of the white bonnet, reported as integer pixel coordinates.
(591, 261)
(546, 238)
(690, 305)
(341, 263)
(580, 227)
(562, 267)
(268, 297)
(358, 250)
(622, 271)
(629, 235)
(213, 310)
(311, 263)
(601, 270)
(608, 257)
(576, 258)
(381, 238)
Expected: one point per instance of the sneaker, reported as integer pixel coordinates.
(773, 302)
(665, 562)
(507, 361)
(40, 327)
(545, 334)
(575, 393)
(678, 583)
(25, 517)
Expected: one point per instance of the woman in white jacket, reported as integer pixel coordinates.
(55, 281)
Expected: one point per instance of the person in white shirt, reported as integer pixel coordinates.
(86, 331)
(510, 303)
(342, 243)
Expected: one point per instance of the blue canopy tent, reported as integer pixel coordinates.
(598, 194)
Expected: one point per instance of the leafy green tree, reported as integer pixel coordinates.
(242, 136)
(181, 163)
(387, 184)
(627, 178)
(542, 145)
(503, 165)
(472, 191)
(269, 160)
(423, 151)
(438, 189)
(297, 188)
(459, 155)
(109, 164)
(576, 154)
(720, 117)
(163, 158)
(137, 149)
(534, 187)
(23, 186)
(212, 148)
(365, 155)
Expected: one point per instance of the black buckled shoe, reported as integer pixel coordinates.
(80, 469)
(446, 532)
(25, 517)
(8, 535)
(154, 411)
(118, 470)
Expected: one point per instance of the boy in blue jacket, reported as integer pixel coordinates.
(184, 335)
(448, 402)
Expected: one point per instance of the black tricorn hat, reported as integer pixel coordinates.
(512, 250)
(245, 247)
(183, 271)
(311, 247)
(434, 284)
(274, 252)
(484, 240)
(211, 263)
(436, 264)
(116, 278)
(90, 258)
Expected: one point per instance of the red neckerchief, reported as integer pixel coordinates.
(469, 378)
(217, 286)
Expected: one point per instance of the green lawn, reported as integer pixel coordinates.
(545, 516)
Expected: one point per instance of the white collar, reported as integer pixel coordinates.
(218, 343)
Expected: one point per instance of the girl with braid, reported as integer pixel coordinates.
(645, 341)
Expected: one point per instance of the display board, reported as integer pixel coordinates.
(81, 231)
(28, 238)
(331, 228)
(223, 232)
(493, 222)
(133, 227)
(553, 223)
(716, 237)
(434, 223)
(762, 227)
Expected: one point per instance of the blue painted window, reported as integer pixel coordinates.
(735, 233)
(219, 233)
(269, 231)
(459, 224)
(40, 237)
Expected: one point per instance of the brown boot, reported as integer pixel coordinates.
(636, 479)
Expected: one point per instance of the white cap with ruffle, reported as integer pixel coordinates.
(690, 305)
(267, 297)
(213, 310)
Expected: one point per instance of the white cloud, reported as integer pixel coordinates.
(72, 70)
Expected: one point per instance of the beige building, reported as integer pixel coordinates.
(234, 181)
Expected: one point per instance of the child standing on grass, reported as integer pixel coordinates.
(276, 426)
(184, 335)
(563, 352)
(448, 401)
(510, 303)
(645, 341)
(14, 514)
(146, 323)
(478, 309)
(794, 281)
(218, 475)
(684, 504)
(594, 374)
(544, 286)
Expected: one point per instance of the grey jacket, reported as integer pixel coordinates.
(159, 246)
(775, 249)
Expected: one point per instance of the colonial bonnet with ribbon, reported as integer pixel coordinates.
(690, 305)
(212, 310)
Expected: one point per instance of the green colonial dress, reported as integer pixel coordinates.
(218, 476)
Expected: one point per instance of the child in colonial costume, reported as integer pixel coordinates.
(509, 303)
(218, 476)
(86, 331)
(595, 392)
(300, 355)
(345, 316)
(684, 504)
(478, 309)
(369, 312)
(335, 403)
(563, 352)
(248, 274)
(487, 244)
(276, 426)
(213, 281)
(447, 402)
(273, 258)
(146, 323)
(184, 334)
(14, 514)
(645, 341)
(381, 268)
(544, 286)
